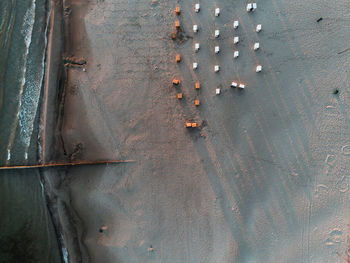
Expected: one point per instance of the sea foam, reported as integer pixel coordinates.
(29, 93)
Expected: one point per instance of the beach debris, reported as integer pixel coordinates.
(236, 54)
(319, 20)
(177, 10)
(103, 228)
(218, 91)
(150, 249)
(217, 33)
(178, 58)
(77, 150)
(179, 35)
(343, 51)
(197, 85)
(179, 96)
(234, 84)
(217, 11)
(196, 47)
(258, 68)
(258, 28)
(235, 24)
(235, 40)
(217, 49)
(67, 11)
(191, 125)
(74, 62)
(335, 91)
(197, 8)
(196, 102)
(241, 86)
(216, 68)
(195, 28)
(256, 46)
(195, 65)
(84, 69)
(176, 81)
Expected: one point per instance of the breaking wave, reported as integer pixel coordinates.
(29, 92)
(30, 85)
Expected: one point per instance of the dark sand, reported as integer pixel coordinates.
(265, 177)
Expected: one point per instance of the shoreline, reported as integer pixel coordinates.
(48, 115)
(51, 145)
(51, 83)
(51, 72)
(44, 95)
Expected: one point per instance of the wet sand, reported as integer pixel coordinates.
(265, 176)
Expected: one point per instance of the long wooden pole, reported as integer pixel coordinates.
(64, 164)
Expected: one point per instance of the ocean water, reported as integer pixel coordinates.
(26, 230)
(22, 40)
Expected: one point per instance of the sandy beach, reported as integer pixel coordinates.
(264, 178)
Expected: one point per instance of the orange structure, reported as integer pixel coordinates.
(176, 81)
(197, 86)
(179, 96)
(177, 24)
(177, 58)
(196, 102)
(191, 125)
(177, 10)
